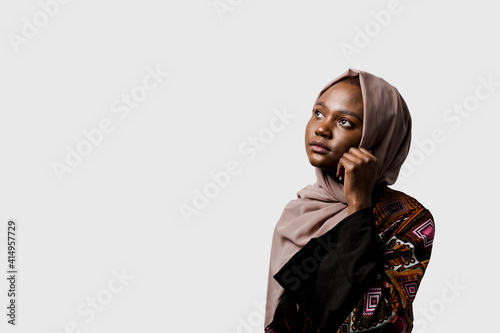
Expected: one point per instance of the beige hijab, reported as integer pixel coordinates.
(321, 206)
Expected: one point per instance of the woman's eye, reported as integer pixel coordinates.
(317, 113)
(345, 123)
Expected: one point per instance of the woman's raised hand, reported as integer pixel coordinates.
(358, 167)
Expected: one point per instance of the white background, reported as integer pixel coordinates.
(119, 209)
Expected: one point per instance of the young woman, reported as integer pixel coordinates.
(349, 253)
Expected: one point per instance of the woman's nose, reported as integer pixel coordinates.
(323, 130)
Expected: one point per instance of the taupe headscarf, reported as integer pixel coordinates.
(321, 206)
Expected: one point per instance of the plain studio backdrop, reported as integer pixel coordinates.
(148, 149)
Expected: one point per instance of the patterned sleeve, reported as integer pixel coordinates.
(366, 269)
(406, 232)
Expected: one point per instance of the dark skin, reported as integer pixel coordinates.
(337, 123)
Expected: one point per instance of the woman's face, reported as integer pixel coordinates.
(337, 123)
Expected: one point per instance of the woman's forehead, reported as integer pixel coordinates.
(342, 96)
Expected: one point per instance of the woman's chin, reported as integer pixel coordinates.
(323, 166)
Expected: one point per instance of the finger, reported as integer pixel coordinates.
(365, 155)
(360, 154)
(366, 151)
(373, 158)
(339, 169)
(348, 162)
(354, 157)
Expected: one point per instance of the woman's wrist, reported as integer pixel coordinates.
(353, 207)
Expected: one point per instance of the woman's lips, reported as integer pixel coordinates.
(319, 147)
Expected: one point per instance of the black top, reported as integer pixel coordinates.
(327, 276)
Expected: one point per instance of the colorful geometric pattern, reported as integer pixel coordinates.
(406, 232)
(393, 207)
(371, 300)
(411, 288)
(426, 232)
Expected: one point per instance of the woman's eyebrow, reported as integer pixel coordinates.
(350, 113)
